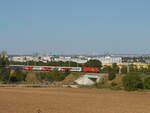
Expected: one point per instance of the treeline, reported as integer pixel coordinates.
(8, 76)
(90, 63)
(141, 59)
(135, 81)
(19, 76)
(132, 81)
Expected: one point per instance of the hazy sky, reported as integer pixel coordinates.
(75, 26)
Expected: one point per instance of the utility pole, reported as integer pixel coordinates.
(120, 71)
(69, 62)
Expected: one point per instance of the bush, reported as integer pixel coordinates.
(104, 86)
(93, 63)
(113, 84)
(111, 75)
(100, 86)
(132, 82)
(4, 74)
(52, 76)
(17, 76)
(67, 72)
(13, 79)
(32, 78)
(20, 75)
(147, 83)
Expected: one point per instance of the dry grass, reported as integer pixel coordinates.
(68, 100)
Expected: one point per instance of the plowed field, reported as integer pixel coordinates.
(69, 100)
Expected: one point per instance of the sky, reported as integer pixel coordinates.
(75, 26)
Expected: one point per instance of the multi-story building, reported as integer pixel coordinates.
(70, 59)
(109, 59)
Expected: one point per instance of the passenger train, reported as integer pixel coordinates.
(50, 68)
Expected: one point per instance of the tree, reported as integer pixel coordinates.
(67, 72)
(3, 54)
(93, 63)
(147, 83)
(4, 74)
(111, 75)
(32, 78)
(3, 61)
(124, 70)
(115, 67)
(20, 75)
(17, 76)
(132, 82)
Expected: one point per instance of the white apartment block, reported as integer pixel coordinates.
(110, 60)
(65, 59)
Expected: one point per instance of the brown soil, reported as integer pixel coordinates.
(69, 79)
(117, 80)
(69, 100)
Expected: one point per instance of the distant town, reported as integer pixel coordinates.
(122, 59)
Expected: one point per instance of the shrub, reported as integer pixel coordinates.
(104, 86)
(147, 83)
(13, 79)
(101, 86)
(111, 75)
(17, 76)
(4, 74)
(67, 71)
(132, 82)
(113, 84)
(93, 63)
(32, 78)
(52, 76)
(20, 75)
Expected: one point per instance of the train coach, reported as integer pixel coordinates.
(16, 67)
(89, 69)
(28, 67)
(73, 69)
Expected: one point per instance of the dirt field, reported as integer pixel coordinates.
(69, 100)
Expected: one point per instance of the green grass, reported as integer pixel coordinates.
(101, 86)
